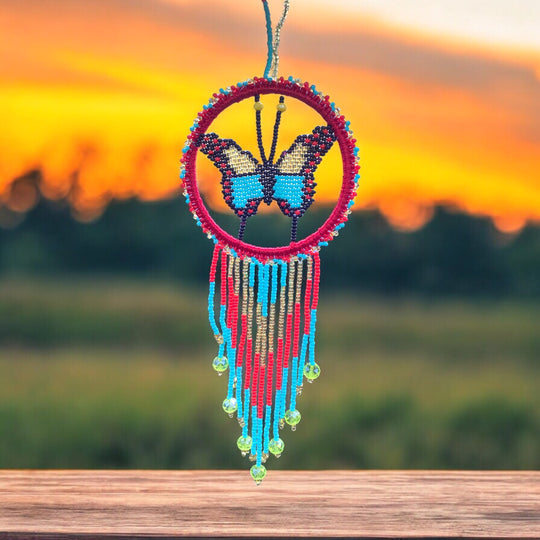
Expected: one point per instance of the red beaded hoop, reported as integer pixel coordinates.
(321, 104)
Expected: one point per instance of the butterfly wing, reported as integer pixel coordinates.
(240, 173)
(294, 187)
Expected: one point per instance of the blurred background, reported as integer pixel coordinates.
(429, 324)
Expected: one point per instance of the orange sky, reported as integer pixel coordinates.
(104, 92)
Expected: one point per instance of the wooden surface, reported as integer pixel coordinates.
(179, 504)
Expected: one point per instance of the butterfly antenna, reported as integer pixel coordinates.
(281, 107)
(258, 106)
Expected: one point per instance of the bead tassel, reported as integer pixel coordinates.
(267, 318)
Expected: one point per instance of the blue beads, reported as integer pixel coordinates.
(239, 390)
(222, 314)
(232, 372)
(211, 313)
(312, 336)
(289, 188)
(245, 188)
(267, 422)
(302, 360)
(252, 266)
(247, 397)
(273, 290)
(262, 292)
(256, 434)
(294, 380)
(284, 270)
(284, 392)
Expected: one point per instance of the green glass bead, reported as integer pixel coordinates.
(244, 444)
(292, 417)
(230, 406)
(276, 447)
(220, 364)
(258, 472)
(311, 371)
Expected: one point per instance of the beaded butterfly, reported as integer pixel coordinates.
(289, 181)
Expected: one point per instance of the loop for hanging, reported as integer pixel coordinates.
(273, 39)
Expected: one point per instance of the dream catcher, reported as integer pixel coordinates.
(262, 301)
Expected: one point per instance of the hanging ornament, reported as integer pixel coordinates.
(265, 319)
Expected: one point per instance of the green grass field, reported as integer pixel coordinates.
(117, 374)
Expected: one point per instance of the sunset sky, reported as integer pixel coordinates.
(443, 97)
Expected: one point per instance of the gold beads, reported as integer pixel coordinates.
(281, 107)
(258, 106)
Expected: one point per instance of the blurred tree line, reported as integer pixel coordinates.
(454, 254)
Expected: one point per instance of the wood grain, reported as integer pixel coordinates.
(213, 504)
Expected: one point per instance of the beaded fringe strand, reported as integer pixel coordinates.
(265, 331)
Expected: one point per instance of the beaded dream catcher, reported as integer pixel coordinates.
(264, 321)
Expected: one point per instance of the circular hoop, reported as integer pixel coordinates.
(347, 145)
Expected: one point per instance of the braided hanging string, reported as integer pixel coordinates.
(273, 39)
(277, 37)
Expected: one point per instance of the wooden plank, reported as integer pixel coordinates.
(187, 504)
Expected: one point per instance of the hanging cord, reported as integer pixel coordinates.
(277, 37)
(270, 54)
(273, 39)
